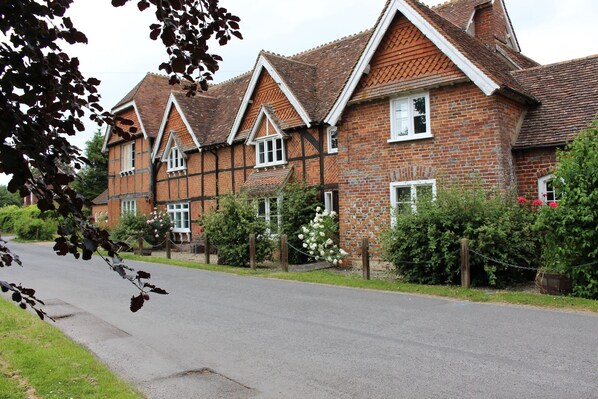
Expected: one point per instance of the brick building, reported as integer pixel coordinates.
(424, 98)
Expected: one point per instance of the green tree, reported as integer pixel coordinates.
(44, 97)
(8, 198)
(92, 180)
(571, 230)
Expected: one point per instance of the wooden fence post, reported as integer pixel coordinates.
(465, 271)
(252, 262)
(206, 249)
(284, 253)
(365, 257)
(168, 245)
(140, 242)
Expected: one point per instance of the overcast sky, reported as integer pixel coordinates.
(120, 52)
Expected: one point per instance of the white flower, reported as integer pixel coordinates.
(325, 213)
(322, 234)
(340, 261)
(332, 213)
(300, 236)
(343, 252)
(305, 229)
(318, 209)
(157, 235)
(335, 262)
(313, 246)
(304, 245)
(329, 242)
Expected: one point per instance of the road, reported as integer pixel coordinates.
(225, 336)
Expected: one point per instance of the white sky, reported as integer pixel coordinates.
(120, 52)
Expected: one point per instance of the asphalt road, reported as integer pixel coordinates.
(225, 336)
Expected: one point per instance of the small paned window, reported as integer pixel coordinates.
(179, 216)
(409, 118)
(270, 152)
(128, 157)
(128, 207)
(332, 140)
(269, 210)
(546, 190)
(404, 196)
(176, 160)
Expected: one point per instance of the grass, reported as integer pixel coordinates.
(38, 361)
(355, 281)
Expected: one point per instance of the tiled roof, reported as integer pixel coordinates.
(299, 77)
(484, 58)
(522, 61)
(150, 95)
(568, 93)
(266, 181)
(458, 12)
(101, 199)
(334, 63)
(199, 112)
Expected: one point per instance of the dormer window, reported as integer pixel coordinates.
(268, 140)
(176, 160)
(269, 151)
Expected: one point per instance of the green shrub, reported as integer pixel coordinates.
(129, 227)
(228, 228)
(299, 203)
(424, 245)
(8, 215)
(570, 231)
(36, 229)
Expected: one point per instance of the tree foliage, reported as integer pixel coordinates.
(571, 230)
(92, 180)
(7, 198)
(44, 96)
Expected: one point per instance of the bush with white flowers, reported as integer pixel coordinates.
(318, 238)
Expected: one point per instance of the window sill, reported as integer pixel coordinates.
(335, 151)
(127, 172)
(179, 170)
(415, 137)
(269, 165)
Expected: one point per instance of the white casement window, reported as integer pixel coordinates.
(179, 216)
(546, 190)
(176, 160)
(128, 157)
(269, 210)
(332, 140)
(410, 118)
(269, 152)
(329, 201)
(405, 195)
(128, 206)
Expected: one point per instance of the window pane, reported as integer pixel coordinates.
(403, 199)
(424, 193)
(132, 155)
(261, 207)
(270, 150)
(279, 150)
(419, 115)
(260, 151)
(402, 117)
(550, 192)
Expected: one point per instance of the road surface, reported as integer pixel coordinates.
(225, 336)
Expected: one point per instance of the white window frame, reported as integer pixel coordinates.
(268, 215)
(176, 211)
(411, 135)
(127, 159)
(543, 190)
(128, 206)
(264, 142)
(413, 186)
(329, 201)
(332, 130)
(176, 160)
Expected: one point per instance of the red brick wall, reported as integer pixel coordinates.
(469, 147)
(530, 165)
(130, 186)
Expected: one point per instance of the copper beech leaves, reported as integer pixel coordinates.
(44, 97)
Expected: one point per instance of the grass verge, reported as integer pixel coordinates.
(355, 281)
(38, 361)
